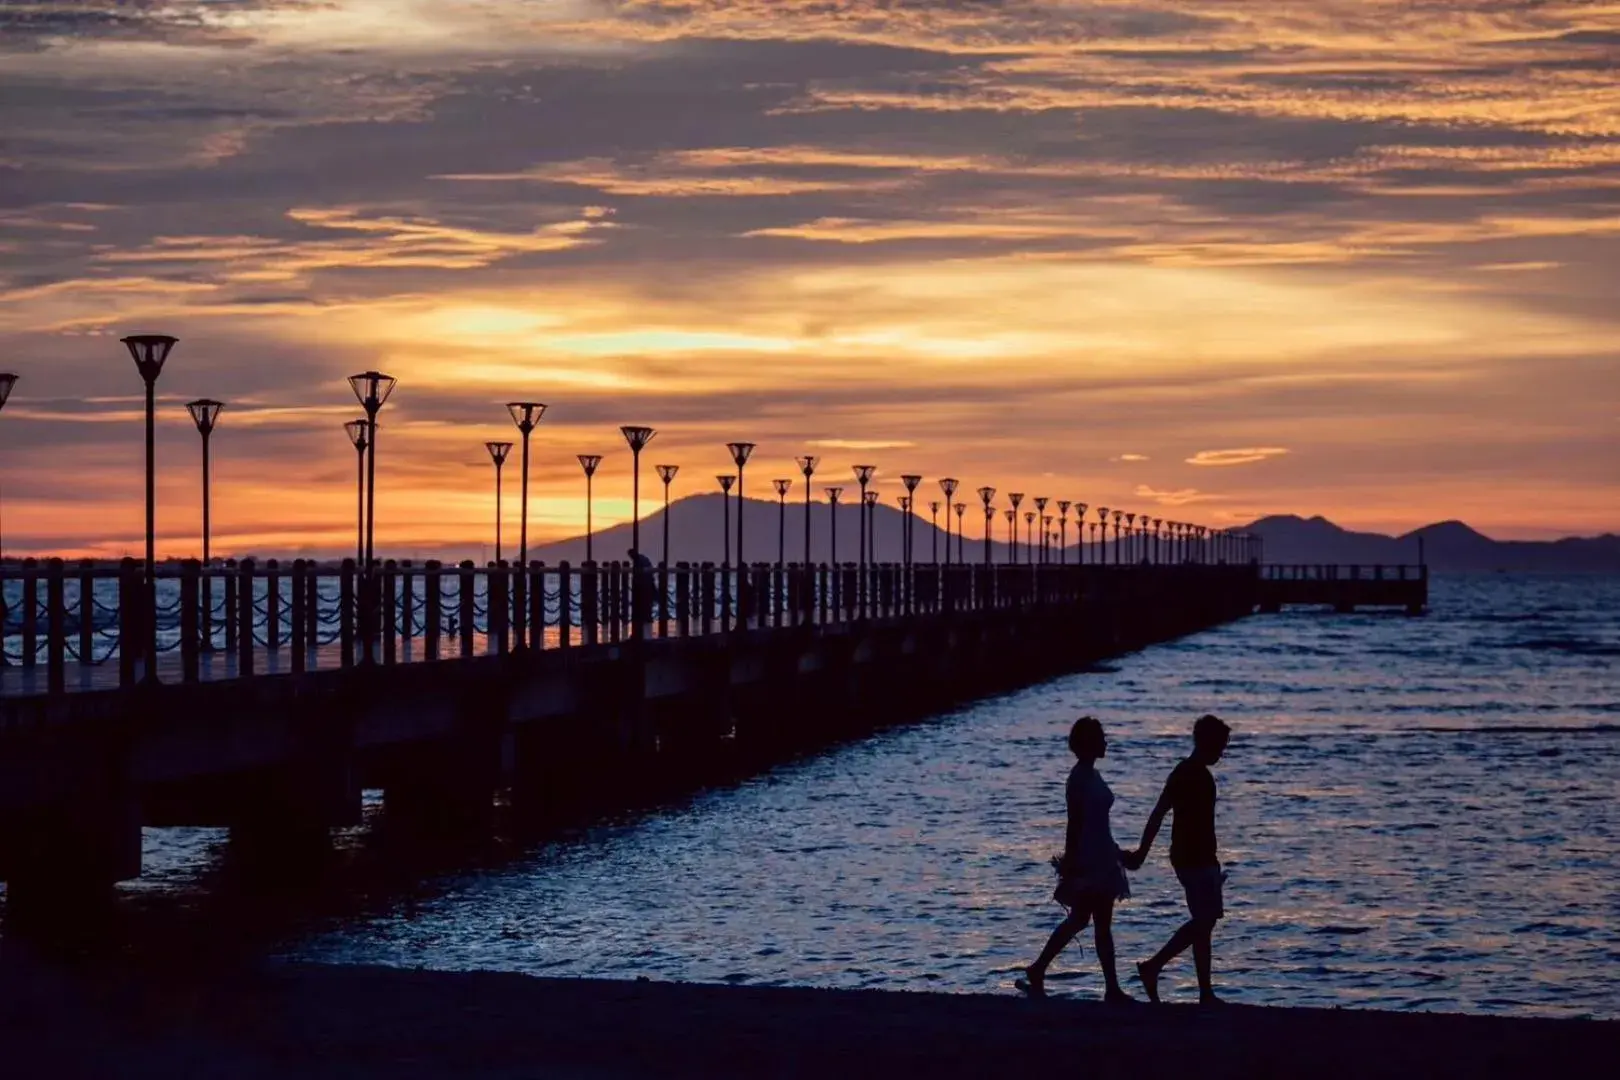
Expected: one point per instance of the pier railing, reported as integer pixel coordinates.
(74, 621)
(1344, 588)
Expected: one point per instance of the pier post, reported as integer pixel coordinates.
(466, 602)
(683, 599)
(432, 608)
(55, 628)
(499, 612)
(30, 614)
(537, 605)
(272, 606)
(389, 611)
(244, 620)
(300, 621)
(346, 613)
(227, 616)
(130, 591)
(565, 605)
(87, 611)
(514, 593)
(190, 619)
(589, 580)
(706, 588)
(407, 607)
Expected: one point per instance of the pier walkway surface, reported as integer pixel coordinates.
(317, 1022)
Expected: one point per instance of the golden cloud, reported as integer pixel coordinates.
(1247, 455)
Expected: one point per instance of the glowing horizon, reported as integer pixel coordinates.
(1344, 258)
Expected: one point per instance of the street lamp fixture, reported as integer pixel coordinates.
(987, 496)
(863, 476)
(149, 351)
(589, 463)
(933, 519)
(782, 487)
(1015, 497)
(740, 453)
(948, 485)
(498, 452)
(833, 495)
(726, 480)
(666, 473)
(960, 508)
(1080, 509)
(910, 480)
(807, 468)
(205, 414)
(1040, 508)
(7, 382)
(525, 414)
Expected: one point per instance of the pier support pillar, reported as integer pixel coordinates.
(60, 862)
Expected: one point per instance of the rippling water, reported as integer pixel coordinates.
(1415, 813)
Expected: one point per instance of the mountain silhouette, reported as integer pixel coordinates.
(697, 534)
(1447, 546)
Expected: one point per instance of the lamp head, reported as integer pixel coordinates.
(357, 431)
(807, 466)
(1015, 497)
(948, 486)
(149, 351)
(933, 507)
(7, 381)
(904, 501)
(781, 487)
(833, 494)
(726, 480)
(1029, 517)
(1130, 519)
(372, 389)
(960, 508)
(1047, 520)
(863, 474)
(1040, 503)
(911, 480)
(1011, 514)
(498, 452)
(666, 473)
(740, 452)
(1080, 509)
(205, 413)
(525, 414)
(1102, 513)
(637, 436)
(987, 495)
(589, 462)
(1063, 508)
(870, 498)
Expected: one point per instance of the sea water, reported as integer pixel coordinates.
(1415, 813)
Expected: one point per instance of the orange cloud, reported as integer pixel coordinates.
(1246, 456)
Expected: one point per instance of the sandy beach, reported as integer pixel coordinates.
(317, 1021)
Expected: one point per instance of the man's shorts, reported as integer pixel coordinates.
(1203, 887)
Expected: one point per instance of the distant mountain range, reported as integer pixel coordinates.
(1448, 547)
(697, 533)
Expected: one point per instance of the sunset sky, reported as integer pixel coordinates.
(1209, 259)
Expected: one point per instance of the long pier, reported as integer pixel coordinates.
(264, 699)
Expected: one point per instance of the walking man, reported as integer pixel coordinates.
(1189, 793)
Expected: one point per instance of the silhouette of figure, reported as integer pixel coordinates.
(1189, 793)
(1090, 874)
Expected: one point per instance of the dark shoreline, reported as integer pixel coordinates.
(313, 1020)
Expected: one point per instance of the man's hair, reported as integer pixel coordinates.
(1210, 730)
(1085, 736)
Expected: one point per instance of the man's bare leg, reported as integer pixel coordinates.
(1149, 970)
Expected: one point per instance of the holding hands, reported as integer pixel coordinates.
(1132, 860)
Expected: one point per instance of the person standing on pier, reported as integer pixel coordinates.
(1189, 793)
(1090, 874)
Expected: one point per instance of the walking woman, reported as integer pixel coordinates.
(1090, 873)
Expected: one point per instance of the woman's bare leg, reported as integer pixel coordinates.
(1104, 916)
(1065, 933)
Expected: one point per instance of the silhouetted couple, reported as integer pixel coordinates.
(1091, 870)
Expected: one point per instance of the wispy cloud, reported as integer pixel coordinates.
(1178, 497)
(1247, 455)
(1130, 458)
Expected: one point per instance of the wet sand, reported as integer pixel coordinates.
(316, 1021)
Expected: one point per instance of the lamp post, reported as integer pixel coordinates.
(1080, 509)
(359, 435)
(961, 509)
(807, 467)
(782, 487)
(525, 414)
(1063, 531)
(1029, 537)
(1015, 497)
(666, 473)
(7, 382)
(933, 520)
(833, 494)
(1119, 516)
(948, 485)
(1130, 535)
(589, 463)
(910, 480)
(637, 436)
(149, 351)
(740, 452)
(870, 498)
(372, 388)
(1102, 553)
(498, 452)
(987, 495)
(1046, 537)
(1012, 536)
(863, 476)
(205, 414)
(726, 480)
(1040, 512)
